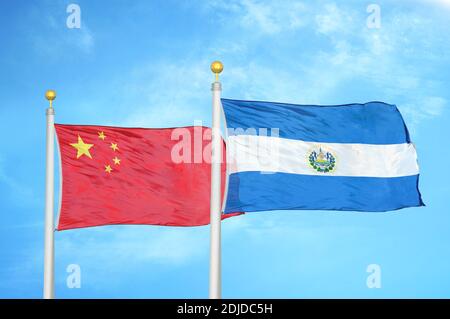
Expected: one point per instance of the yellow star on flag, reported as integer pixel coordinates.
(108, 169)
(114, 146)
(116, 161)
(101, 135)
(82, 148)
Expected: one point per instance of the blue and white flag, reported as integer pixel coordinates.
(355, 157)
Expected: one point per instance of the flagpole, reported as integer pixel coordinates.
(49, 254)
(216, 156)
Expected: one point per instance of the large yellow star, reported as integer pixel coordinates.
(82, 148)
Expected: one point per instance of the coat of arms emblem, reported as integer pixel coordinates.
(322, 161)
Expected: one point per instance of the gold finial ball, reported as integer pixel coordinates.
(50, 95)
(216, 67)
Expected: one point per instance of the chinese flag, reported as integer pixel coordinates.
(113, 175)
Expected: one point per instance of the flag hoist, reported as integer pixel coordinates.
(216, 157)
(49, 254)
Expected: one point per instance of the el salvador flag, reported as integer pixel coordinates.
(356, 157)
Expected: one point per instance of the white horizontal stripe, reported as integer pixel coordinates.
(274, 154)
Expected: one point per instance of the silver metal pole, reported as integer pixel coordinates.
(49, 257)
(216, 157)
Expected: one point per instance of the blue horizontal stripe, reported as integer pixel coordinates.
(370, 123)
(253, 191)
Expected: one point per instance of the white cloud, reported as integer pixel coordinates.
(273, 16)
(333, 19)
(162, 245)
(140, 243)
(84, 40)
(104, 252)
(434, 105)
(442, 3)
(170, 94)
(266, 17)
(20, 193)
(54, 38)
(423, 108)
(382, 60)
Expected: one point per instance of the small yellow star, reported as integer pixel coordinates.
(108, 169)
(114, 146)
(101, 135)
(82, 148)
(116, 161)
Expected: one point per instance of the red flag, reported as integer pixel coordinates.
(113, 175)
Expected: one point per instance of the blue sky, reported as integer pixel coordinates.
(146, 63)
